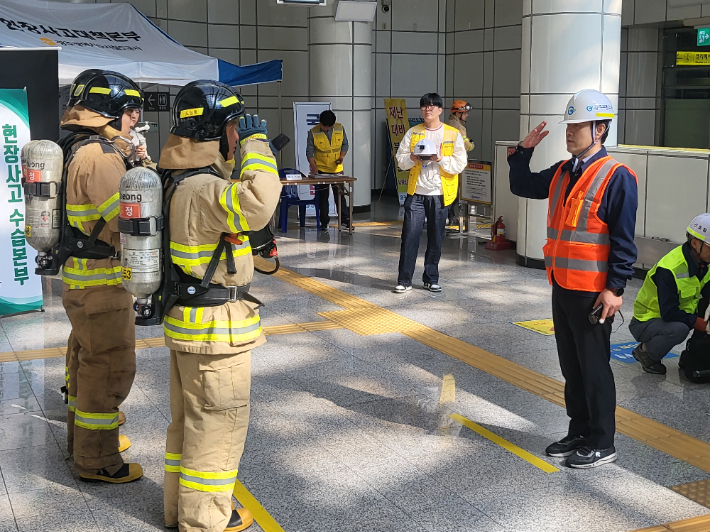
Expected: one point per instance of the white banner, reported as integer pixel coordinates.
(20, 288)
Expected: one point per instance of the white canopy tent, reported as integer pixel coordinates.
(117, 37)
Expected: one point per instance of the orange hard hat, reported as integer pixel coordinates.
(460, 106)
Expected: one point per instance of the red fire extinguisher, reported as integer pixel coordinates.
(498, 241)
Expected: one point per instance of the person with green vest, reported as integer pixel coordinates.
(665, 310)
(434, 153)
(326, 148)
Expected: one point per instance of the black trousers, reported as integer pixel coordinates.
(584, 352)
(322, 194)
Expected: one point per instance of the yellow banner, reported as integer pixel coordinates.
(692, 58)
(398, 124)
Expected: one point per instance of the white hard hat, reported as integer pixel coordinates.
(425, 148)
(588, 106)
(700, 227)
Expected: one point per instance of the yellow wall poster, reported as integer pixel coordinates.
(397, 125)
(539, 326)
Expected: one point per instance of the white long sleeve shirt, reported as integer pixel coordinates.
(429, 181)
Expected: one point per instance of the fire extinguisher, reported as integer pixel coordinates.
(498, 241)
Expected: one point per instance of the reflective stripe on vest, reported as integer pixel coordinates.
(93, 421)
(328, 151)
(449, 182)
(646, 306)
(80, 276)
(186, 257)
(229, 200)
(574, 222)
(236, 331)
(172, 462)
(222, 481)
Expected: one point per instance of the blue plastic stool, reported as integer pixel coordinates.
(289, 197)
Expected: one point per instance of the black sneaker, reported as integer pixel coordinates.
(432, 287)
(648, 365)
(587, 457)
(565, 447)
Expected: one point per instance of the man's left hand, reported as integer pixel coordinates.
(610, 301)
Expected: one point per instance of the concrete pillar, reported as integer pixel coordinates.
(568, 45)
(340, 72)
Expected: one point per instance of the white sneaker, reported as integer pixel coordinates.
(432, 287)
(401, 289)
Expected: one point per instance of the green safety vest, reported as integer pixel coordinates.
(646, 305)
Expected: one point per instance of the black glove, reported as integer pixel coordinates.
(250, 127)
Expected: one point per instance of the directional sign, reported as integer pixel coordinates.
(157, 101)
(703, 36)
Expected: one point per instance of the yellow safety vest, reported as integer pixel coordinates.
(646, 306)
(449, 182)
(328, 151)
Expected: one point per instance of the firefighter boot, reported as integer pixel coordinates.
(123, 443)
(127, 473)
(241, 520)
(121, 418)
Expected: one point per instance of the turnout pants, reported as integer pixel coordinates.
(584, 351)
(209, 405)
(101, 365)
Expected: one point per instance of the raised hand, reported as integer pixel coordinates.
(535, 136)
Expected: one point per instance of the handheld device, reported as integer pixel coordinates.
(595, 315)
(279, 142)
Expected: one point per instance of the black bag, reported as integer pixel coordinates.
(695, 358)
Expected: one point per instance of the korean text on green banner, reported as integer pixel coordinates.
(20, 288)
(397, 126)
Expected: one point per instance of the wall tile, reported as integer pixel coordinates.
(641, 74)
(275, 38)
(469, 15)
(223, 11)
(508, 38)
(488, 39)
(652, 11)
(415, 15)
(408, 42)
(413, 75)
(506, 73)
(188, 33)
(640, 127)
(229, 55)
(324, 30)
(147, 7)
(383, 42)
(643, 39)
(247, 36)
(490, 13)
(161, 8)
(188, 10)
(467, 77)
(505, 125)
(295, 80)
(382, 74)
(468, 41)
(220, 36)
(270, 14)
(508, 12)
(627, 12)
(706, 10)
(362, 70)
(362, 33)
(487, 75)
(680, 13)
(247, 11)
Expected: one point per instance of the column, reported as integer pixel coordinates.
(340, 72)
(568, 45)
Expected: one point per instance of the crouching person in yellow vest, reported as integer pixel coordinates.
(434, 153)
(326, 148)
(665, 308)
(211, 335)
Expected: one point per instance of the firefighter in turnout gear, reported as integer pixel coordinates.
(101, 358)
(211, 336)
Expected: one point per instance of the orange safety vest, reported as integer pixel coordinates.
(577, 249)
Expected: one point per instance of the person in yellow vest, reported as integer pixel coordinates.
(434, 153)
(457, 119)
(665, 310)
(326, 148)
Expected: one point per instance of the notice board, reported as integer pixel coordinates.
(476, 183)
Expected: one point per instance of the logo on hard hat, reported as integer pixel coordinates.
(589, 108)
(570, 111)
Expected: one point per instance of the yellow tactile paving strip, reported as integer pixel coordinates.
(370, 224)
(696, 524)
(696, 491)
(145, 343)
(365, 318)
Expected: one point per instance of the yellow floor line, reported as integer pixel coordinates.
(517, 451)
(261, 516)
(145, 343)
(368, 224)
(363, 317)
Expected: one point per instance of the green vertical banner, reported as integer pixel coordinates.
(20, 288)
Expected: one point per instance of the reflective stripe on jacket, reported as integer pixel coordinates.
(449, 182)
(328, 151)
(646, 306)
(577, 249)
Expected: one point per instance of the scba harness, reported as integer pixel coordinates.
(73, 242)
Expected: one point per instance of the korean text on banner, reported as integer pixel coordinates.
(397, 125)
(20, 288)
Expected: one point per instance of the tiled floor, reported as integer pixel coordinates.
(349, 432)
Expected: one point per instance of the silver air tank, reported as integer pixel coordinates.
(42, 165)
(140, 224)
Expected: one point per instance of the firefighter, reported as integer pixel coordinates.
(211, 336)
(101, 357)
(457, 119)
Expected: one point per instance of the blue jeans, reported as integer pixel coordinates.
(416, 209)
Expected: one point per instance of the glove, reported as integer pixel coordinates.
(707, 317)
(250, 127)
